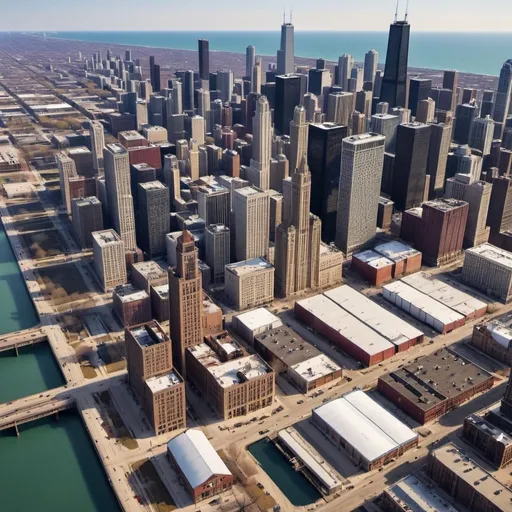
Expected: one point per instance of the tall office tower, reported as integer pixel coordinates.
(187, 80)
(403, 113)
(156, 87)
(358, 123)
(128, 56)
(250, 60)
(386, 124)
(356, 80)
(197, 129)
(464, 117)
(152, 71)
(502, 102)
(298, 138)
(153, 217)
(225, 84)
(362, 158)
(97, 135)
(499, 217)
(175, 106)
(311, 106)
(394, 83)
(251, 212)
(185, 300)
(409, 174)
(340, 107)
(259, 171)
(279, 171)
(324, 159)
(213, 204)
(141, 113)
(481, 134)
(109, 259)
(461, 160)
(364, 103)
(469, 95)
(382, 108)
(217, 250)
(319, 83)
(87, 217)
(119, 196)
(231, 163)
(371, 61)
(286, 53)
(203, 47)
(377, 86)
(295, 247)
(159, 388)
(67, 169)
(426, 112)
(288, 96)
(439, 147)
(345, 65)
(256, 76)
(451, 82)
(204, 108)
(419, 89)
(477, 194)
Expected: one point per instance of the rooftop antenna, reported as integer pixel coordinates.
(291, 12)
(406, 10)
(284, 15)
(396, 12)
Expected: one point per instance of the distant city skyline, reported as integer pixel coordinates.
(437, 15)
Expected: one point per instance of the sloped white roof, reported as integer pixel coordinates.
(196, 457)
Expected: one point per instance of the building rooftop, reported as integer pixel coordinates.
(492, 253)
(153, 185)
(169, 380)
(148, 334)
(87, 201)
(79, 150)
(444, 204)
(363, 138)
(196, 457)
(413, 495)
(217, 228)
(474, 476)
(258, 318)
(436, 377)
(116, 148)
(373, 259)
(316, 367)
(149, 269)
(249, 266)
(8, 154)
(128, 293)
(209, 307)
(365, 425)
(485, 426)
(396, 251)
(385, 116)
(105, 237)
(249, 191)
(131, 135)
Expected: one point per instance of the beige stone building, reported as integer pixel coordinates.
(109, 259)
(331, 266)
(67, 169)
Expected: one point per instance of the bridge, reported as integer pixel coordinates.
(17, 340)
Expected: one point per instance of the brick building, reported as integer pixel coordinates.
(160, 302)
(495, 338)
(132, 306)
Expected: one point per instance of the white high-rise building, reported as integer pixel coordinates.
(197, 129)
(250, 60)
(298, 138)
(285, 55)
(97, 143)
(256, 76)
(362, 158)
(225, 84)
(345, 65)
(67, 169)
(259, 171)
(340, 107)
(386, 124)
(204, 108)
(109, 258)
(119, 196)
(371, 61)
(481, 134)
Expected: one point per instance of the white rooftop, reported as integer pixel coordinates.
(396, 251)
(500, 333)
(373, 259)
(365, 425)
(315, 368)
(106, 236)
(258, 318)
(156, 384)
(492, 253)
(128, 293)
(196, 457)
(248, 266)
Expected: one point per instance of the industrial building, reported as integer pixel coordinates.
(233, 383)
(255, 322)
(148, 273)
(131, 305)
(406, 259)
(368, 433)
(199, 466)
(109, 259)
(495, 338)
(421, 306)
(466, 481)
(411, 495)
(304, 365)
(489, 269)
(344, 330)
(373, 267)
(434, 385)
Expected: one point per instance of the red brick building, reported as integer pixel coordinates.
(145, 155)
(132, 306)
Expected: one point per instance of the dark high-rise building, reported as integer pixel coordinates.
(204, 59)
(154, 74)
(469, 95)
(439, 148)
(451, 82)
(499, 216)
(419, 89)
(187, 80)
(502, 102)
(288, 96)
(412, 145)
(324, 160)
(463, 120)
(394, 83)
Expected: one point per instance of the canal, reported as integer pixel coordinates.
(53, 466)
(293, 485)
(17, 311)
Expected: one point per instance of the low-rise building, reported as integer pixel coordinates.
(9, 159)
(199, 466)
(372, 267)
(331, 266)
(434, 385)
(384, 213)
(368, 433)
(148, 273)
(495, 338)
(250, 283)
(212, 319)
(132, 306)
(159, 302)
(255, 322)
(406, 259)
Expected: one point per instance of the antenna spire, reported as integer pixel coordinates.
(284, 15)
(291, 12)
(406, 10)
(396, 11)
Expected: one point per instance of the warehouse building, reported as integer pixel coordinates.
(466, 481)
(286, 352)
(454, 298)
(372, 267)
(369, 434)
(421, 306)
(389, 326)
(132, 306)
(489, 269)
(495, 338)
(344, 330)
(199, 466)
(434, 385)
(255, 322)
(412, 495)
(406, 259)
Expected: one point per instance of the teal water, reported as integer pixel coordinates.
(17, 311)
(293, 485)
(52, 467)
(33, 371)
(478, 52)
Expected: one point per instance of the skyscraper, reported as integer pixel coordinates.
(371, 61)
(345, 65)
(419, 89)
(285, 55)
(256, 76)
(440, 138)
(217, 250)
(362, 158)
(67, 170)
(225, 84)
(340, 107)
(288, 96)
(204, 61)
(185, 300)
(97, 144)
(464, 117)
(394, 83)
(324, 159)
(298, 138)
(386, 124)
(412, 145)
(481, 134)
(119, 196)
(451, 82)
(502, 102)
(250, 60)
(426, 111)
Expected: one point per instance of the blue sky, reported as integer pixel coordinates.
(429, 15)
